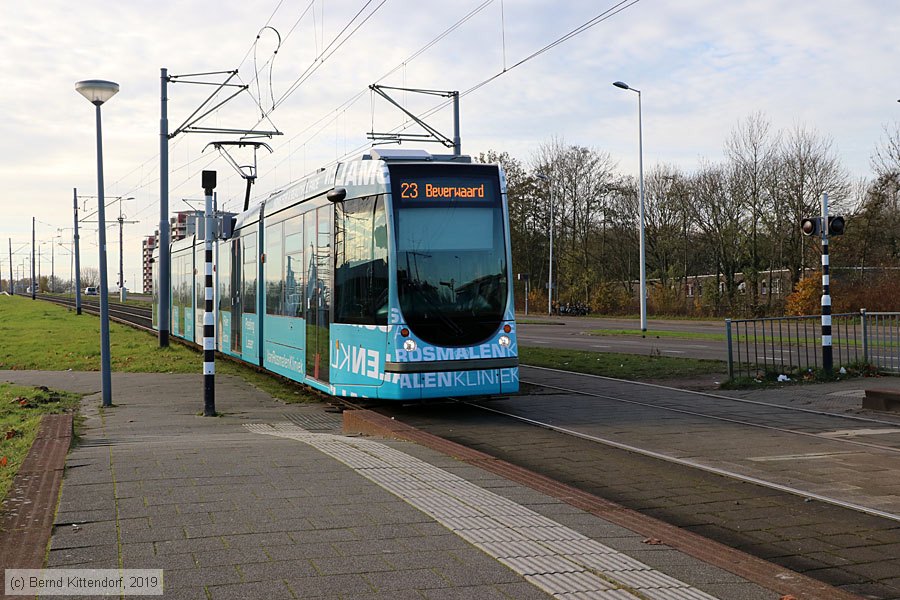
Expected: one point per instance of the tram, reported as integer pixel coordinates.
(385, 277)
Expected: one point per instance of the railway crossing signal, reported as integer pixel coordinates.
(813, 225)
(835, 226)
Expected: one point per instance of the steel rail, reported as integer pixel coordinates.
(715, 396)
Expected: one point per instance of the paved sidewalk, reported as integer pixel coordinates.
(844, 397)
(271, 501)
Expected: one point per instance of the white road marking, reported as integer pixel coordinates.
(847, 433)
(810, 456)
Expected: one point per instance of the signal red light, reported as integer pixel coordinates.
(809, 226)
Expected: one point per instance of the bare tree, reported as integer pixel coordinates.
(886, 159)
(719, 216)
(751, 152)
(873, 240)
(90, 277)
(807, 168)
(619, 234)
(664, 218)
(582, 181)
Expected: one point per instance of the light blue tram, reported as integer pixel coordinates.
(385, 277)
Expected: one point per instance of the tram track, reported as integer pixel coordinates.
(819, 435)
(806, 494)
(892, 424)
(136, 316)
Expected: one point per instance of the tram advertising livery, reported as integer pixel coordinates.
(385, 277)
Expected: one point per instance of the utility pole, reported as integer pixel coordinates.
(163, 240)
(33, 294)
(122, 222)
(12, 287)
(52, 265)
(77, 259)
(188, 126)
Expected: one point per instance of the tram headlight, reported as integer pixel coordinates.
(504, 341)
(409, 345)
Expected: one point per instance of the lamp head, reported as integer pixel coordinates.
(621, 84)
(97, 91)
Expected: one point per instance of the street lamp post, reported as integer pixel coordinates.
(97, 92)
(643, 265)
(546, 179)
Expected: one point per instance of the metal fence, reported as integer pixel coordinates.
(791, 345)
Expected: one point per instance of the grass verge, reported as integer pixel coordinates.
(623, 366)
(685, 335)
(113, 299)
(779, 379)
(21, 408)
(44, 336)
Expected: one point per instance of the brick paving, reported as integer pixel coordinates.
(26, 514)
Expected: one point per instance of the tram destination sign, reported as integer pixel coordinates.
(445, 189)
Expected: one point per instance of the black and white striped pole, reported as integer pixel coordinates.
(827, 359)
(209, 320)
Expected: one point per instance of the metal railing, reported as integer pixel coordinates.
(881, 336)
(792, 345)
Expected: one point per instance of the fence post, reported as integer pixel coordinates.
(865, 336)
(730, 355)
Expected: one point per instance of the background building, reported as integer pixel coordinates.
(181, 226)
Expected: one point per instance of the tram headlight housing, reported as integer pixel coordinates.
(409, 345)
(504, 341)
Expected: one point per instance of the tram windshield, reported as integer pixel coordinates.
(451, 252)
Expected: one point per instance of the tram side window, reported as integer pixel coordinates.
(293, 267)
(186, 276)
(177, 290)
(323, 260)
(361, 257)
(310, 269)
(248, 243)
(274, 271)
(200, 277)
(223, 270)
(182, 284)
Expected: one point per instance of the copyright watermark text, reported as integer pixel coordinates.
(83, 582)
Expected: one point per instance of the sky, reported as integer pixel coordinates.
(702, 66)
